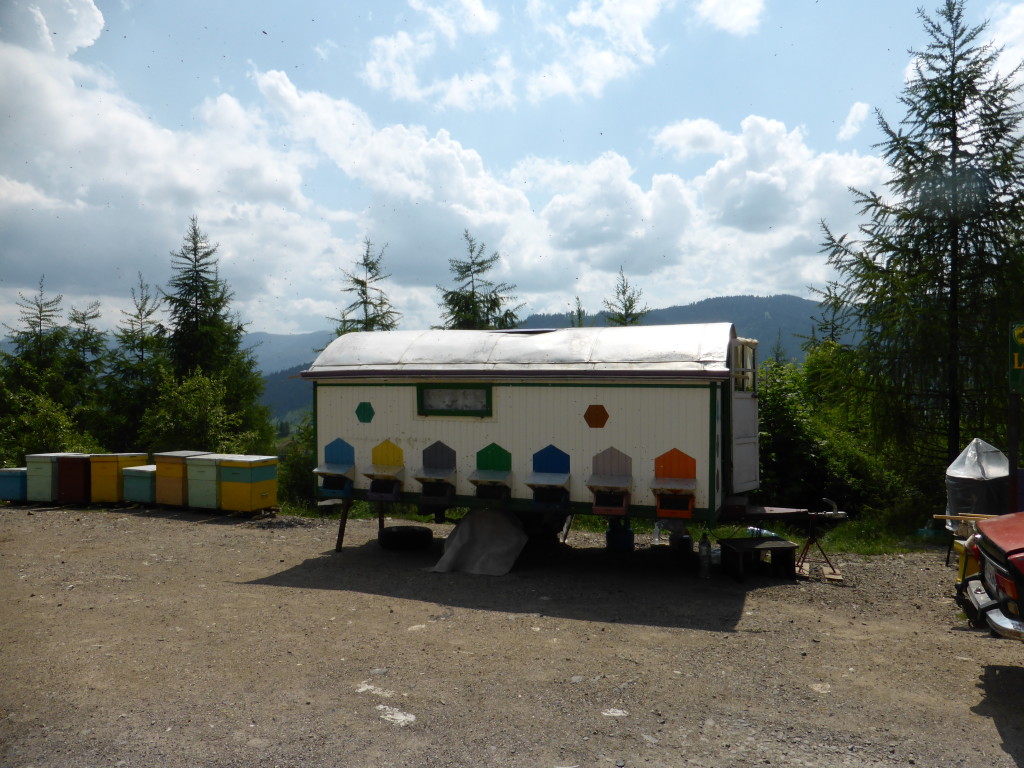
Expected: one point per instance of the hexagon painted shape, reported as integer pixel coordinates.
(364, 412)
(596, 416)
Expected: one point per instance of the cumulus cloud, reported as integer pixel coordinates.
(595, 45)
(571, 53)
(93, 186)
(769, 178)
(56, 27)
(693, 137)
(394, 64)
(395, 61)
(739, 17)
(854, 121)
(457, 16)
(1007, 29)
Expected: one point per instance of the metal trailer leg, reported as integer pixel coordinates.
(346, 505)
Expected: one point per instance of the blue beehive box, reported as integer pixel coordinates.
(13, 483)
(140, 483)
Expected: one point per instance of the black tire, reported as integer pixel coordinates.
(405, 537)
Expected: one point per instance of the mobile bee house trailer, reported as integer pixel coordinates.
(642, 421)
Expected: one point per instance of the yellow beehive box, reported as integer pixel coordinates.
(248, 497)
(105, 478)
(172, 477)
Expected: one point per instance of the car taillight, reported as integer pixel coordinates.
(1007, 587)
(1015, 573)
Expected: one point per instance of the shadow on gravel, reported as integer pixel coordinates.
(1001, 687)
(654, 587)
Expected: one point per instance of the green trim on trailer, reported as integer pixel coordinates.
(712, 448)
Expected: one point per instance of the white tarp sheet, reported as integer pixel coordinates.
(485, 542)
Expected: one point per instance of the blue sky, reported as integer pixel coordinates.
(696, 144)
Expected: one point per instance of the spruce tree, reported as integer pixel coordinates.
(136, 368)
(929, 281)
(204, 332)
(476, 302)
(624, 307)
(371, 310)
(205, 340)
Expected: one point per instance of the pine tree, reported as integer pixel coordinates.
(204, 332)
(41, 331)
(476, 302)
(137, 366)
(49, 384)
(624, 308)
(578, 315)
(371, 307)
(205, 340)
(928, 282)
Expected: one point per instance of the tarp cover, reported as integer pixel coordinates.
(978, 481)
(485, 542)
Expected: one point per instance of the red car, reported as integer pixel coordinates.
(993, 595)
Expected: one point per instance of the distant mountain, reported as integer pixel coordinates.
(276, 352)
(287, 395)
(772, 320)
(779, 319)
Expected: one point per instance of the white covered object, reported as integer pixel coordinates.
(978, 481)
(486, 542)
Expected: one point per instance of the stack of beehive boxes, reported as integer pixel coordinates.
(231, 482)
(248, 483)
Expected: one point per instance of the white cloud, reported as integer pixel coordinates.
(456, 16)
(854, 121)
(694, 137)
(57, 27)
(324, 50)
(576, 53)
(394, 62)
(740, 17)
(1007, 29)
(597, 46)
(478, 89)
(92, 189)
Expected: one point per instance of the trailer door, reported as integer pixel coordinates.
(745, 451)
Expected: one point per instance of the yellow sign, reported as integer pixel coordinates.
(1017, 358)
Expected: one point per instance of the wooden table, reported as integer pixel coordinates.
(739, 555)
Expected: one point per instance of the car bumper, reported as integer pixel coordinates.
(985, 606)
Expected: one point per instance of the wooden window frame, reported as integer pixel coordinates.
(424, 410)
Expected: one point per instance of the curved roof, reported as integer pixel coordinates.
(692, 350)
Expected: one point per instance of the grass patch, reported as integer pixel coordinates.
(865, 536)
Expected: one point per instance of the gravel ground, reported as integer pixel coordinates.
(166, 638)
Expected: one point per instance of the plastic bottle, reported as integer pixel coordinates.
(704, 556)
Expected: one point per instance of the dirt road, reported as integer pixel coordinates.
(173, 639)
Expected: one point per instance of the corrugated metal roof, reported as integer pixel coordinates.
(693, 350)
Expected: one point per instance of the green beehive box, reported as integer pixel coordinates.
(203, 480)
(41, 476)
(172, 477)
